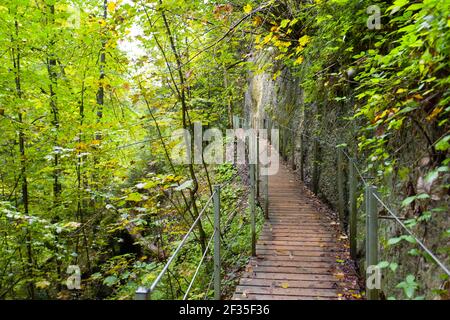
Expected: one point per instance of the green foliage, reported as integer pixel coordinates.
(391, 84)
(89, 98)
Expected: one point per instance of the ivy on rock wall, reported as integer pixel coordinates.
(381, 90)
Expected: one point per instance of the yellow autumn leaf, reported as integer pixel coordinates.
(304, 40)
(299, 49)
(401, 90)
(435, 112)
(111, 6)
(95, 142)
(267, 38)
(298, 61)
(257, 21)
(285, 285)
(42, 284)
(276, 75)
(339, 275)
(248, 8)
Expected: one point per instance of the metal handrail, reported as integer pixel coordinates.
(144, 290)
(396, 218)
(199, 265)
(412, 235)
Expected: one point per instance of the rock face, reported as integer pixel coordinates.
(309, 134)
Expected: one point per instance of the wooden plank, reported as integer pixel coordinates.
(252, 296)
(287, 237)
(295, 258)
(290, 263)
(292, 243)
(295, 270)
(289, 276)
(327, 284)
(294, 248)
(296, 251)
(288, 291)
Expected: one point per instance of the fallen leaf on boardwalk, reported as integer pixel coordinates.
(333, 223)
(290, 255)
(339, 275)
(343, 237)
(339, 260)
(285, 285)
(244, 294)
(249, 269)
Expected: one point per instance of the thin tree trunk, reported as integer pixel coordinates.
(23, 163)
(53, 77)
(101, 86)
(184, 109)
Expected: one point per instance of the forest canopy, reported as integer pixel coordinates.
(93, 91)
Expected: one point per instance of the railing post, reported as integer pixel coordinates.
(142, 293)
(353, 222)
(302, 175)
(252, 207)
(340, 183)
(266, 195)
(258, 169)
(217, 262)
(315, 175)
(266, 176)
(293, 152)
(372, 237)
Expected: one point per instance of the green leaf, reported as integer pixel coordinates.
(414, 252)
(185, 185)
(443, 144)
(284, 23)
(135, 197)
(431, 176)
(393, 266)
(423, 196)
(110, 281)
(410, 239)
(408, 201)
(393, 241)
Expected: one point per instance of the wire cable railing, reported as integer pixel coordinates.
(420, 243)
(371, 193)
(143, 293)
(199, 266)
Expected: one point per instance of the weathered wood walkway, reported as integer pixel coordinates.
(300, 252)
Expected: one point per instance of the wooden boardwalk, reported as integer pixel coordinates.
(300, 251)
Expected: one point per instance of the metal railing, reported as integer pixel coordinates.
(216, 239)
(372, 200)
